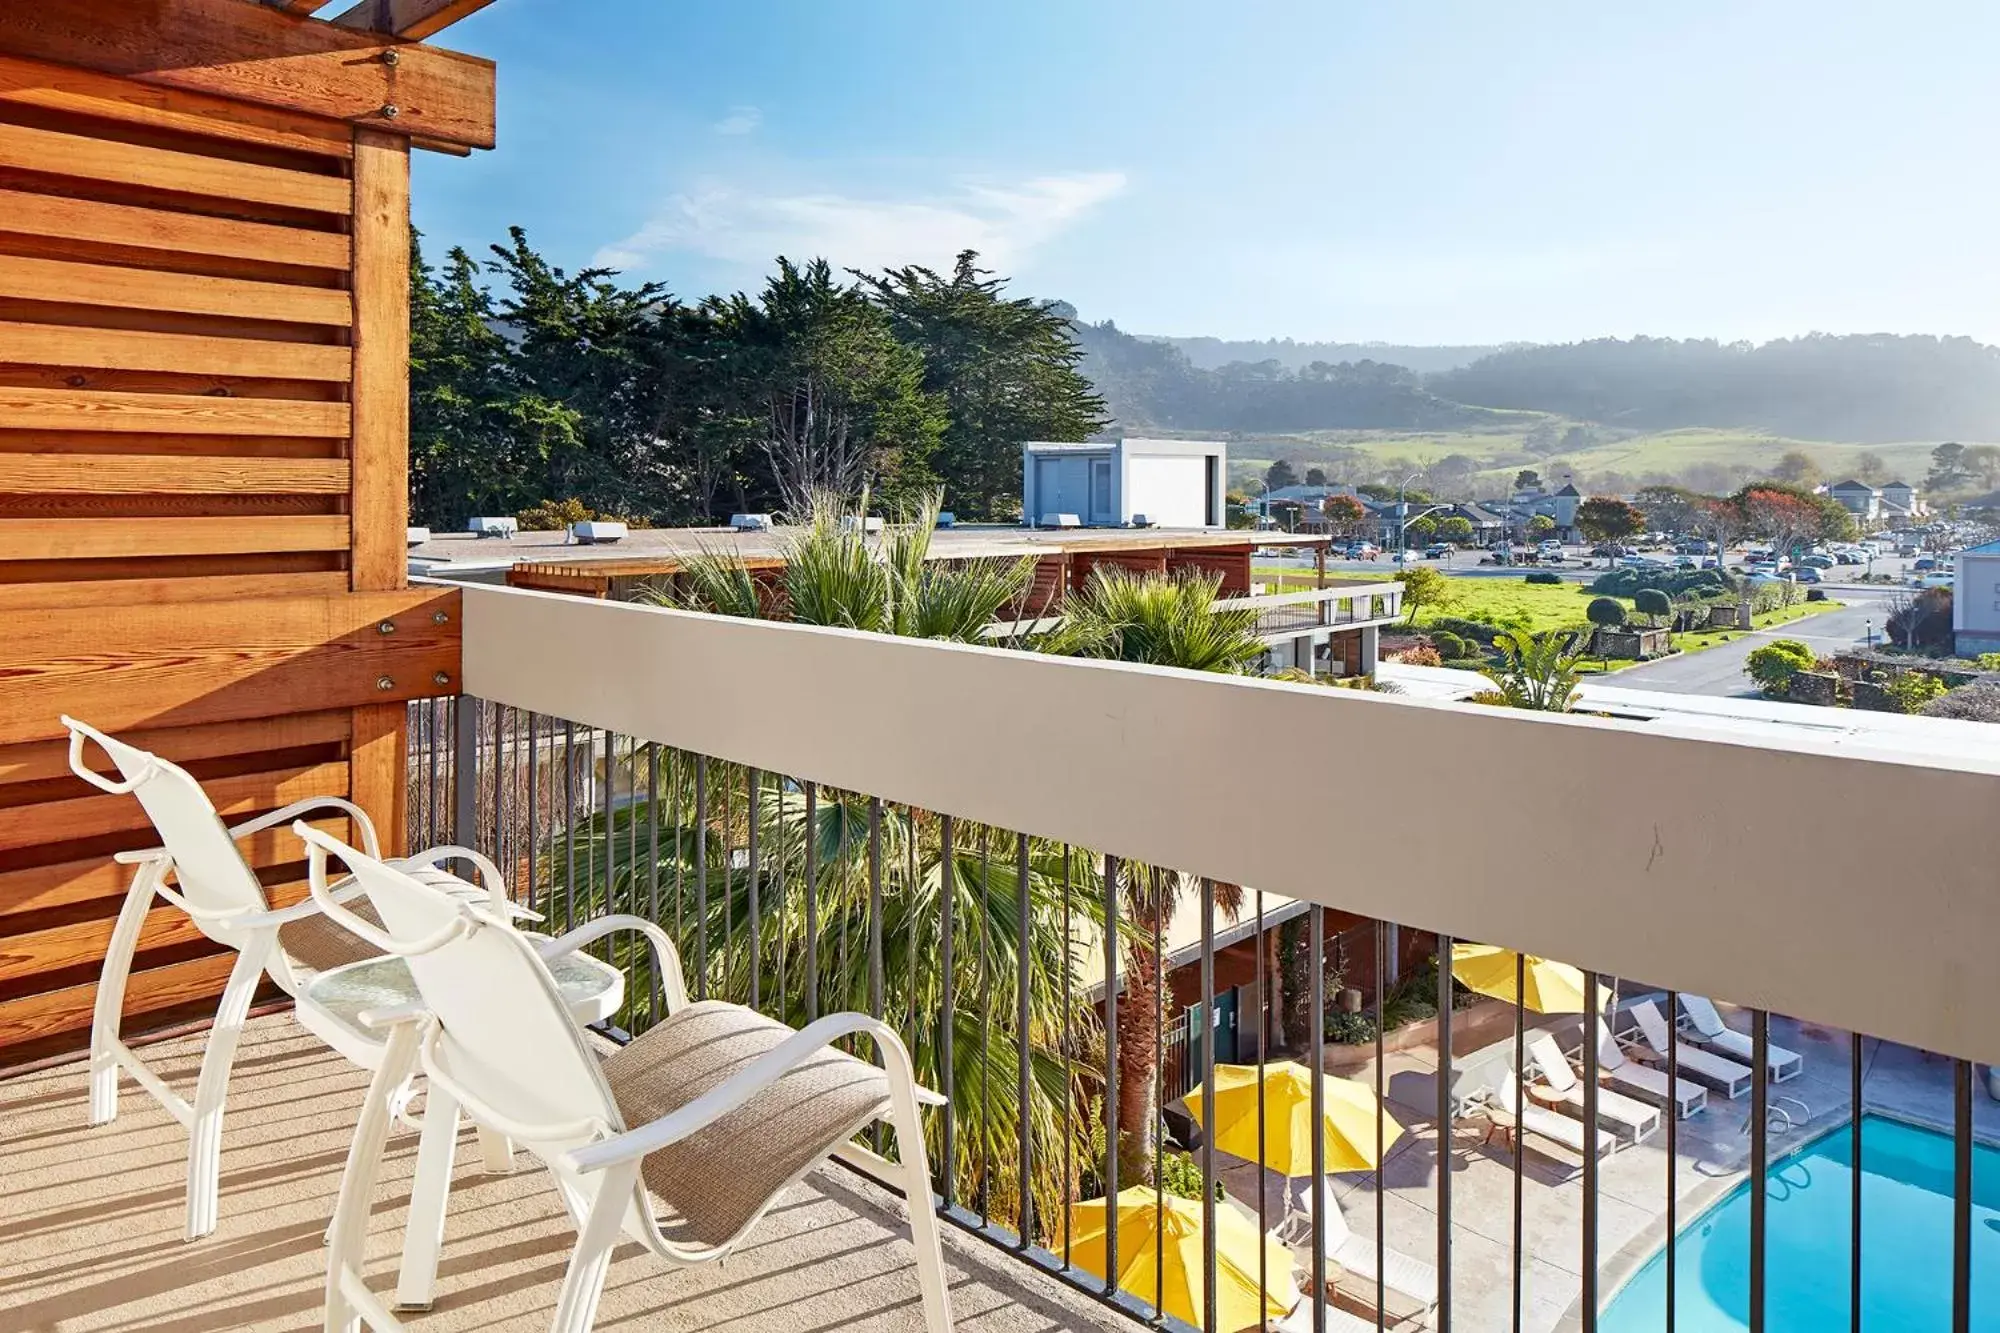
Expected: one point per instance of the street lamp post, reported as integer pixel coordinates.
(1403, 519)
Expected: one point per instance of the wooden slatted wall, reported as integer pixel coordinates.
(203, 399)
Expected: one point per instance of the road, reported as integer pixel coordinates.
(1719, 670)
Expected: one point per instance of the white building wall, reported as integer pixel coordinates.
(1975, 602)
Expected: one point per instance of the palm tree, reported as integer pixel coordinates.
(1170, 622)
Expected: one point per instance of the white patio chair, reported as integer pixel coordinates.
(1644, 1080)
(680, 1140)
(1728, 1077)
(292, 945)
(1407, 1276)
(1711, 1033)
(1539, 1122)
(1613, 1108)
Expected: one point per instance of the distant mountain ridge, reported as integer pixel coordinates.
(1206, 353)
(1861, 388)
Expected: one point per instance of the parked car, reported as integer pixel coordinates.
(1363, 551)
(1807, 574)
(1932, 581)
(1437, 550)
(1924, 564)
(1818, 561)
(1684, 562)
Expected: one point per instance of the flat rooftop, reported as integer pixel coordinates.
(455, 552)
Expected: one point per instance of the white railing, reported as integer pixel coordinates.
(1844, 880)
(1321, 608)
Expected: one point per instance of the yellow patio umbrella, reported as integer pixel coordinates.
(1548, 988)
(1160, 1250)
(1347, 1118)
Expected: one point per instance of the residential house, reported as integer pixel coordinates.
(1859, 499)
(1124, 483)
(1901, 503)
(1975, 600)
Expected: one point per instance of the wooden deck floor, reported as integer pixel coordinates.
(90, 1227)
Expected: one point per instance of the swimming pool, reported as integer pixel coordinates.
(1906, 1200)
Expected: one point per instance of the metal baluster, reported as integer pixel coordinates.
(728, 867)
(1673, 1153)
(1068, 1050)
(535, 903)
(701, 877)
(1590, 1132)
(569, 824)
(947, 888)
(1316, 1026)
(1381, 1053)
(754, 782)
(1208, 1315)
(1444, 997)
(653, 870)
(610, 842)
(499, 849)
(680, 854)
(1961, 1197)
(985, 1016)
(1263, 1038)
(911, 837)
(812, 908)
(779, 907)
(1021, 1022)
(1156, 894)
(875, 999)
(1520, 1076)
(1854, 1187)
(1111, 1074)
(840, 898)
(1760, 1111)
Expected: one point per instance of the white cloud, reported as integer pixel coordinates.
(740, 120)
(1004, 221)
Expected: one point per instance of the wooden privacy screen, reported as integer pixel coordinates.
(203, 398)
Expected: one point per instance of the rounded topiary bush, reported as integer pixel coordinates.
(1448, 645)
(1652, 603)
(1542, 576)
(1606, 612)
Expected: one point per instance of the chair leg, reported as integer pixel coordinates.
(924, 1236)
(348, 1237)
(583, 1284)
(205, 1131)
(496, 1153)
(423, 1235)
(108, 1014)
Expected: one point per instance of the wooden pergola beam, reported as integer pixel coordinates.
(257, 53)
(411, 19)
(299, 6)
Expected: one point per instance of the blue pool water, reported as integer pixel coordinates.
(1906, 1199)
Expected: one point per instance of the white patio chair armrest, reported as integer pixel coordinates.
(140, 856)
(733, 1092)
(323, 894)
(490, 877)
(486, 1117)
(389, 1016)
(665, 952)
(369, 843)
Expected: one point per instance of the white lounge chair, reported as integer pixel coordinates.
(1635, 1117)
(1732, 1079)
(680, 1141)
(1410, 1278)
(1711, 1033)
(1646, 1081)
(1300, 1320)
(294, 946)
(1540, 1122)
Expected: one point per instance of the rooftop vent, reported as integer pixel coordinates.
(416, 536)
(1061, 521)
(492, 527)
(947, 519)
(849, 523)
(597, 532)
(750, 522)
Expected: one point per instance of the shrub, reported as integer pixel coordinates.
(1542, 576)
(1349, 1029)
(1973, 703)
(1652, 603)
(1768, 597)
(1448, 645)
(1627, 582)
(1774, 665)
(554, 515)
(1989, 661)
(1477, 631)
(1914, 689)
(1421, 655)
(1922, 621)
(1606, 612)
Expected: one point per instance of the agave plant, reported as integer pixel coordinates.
(1537, 671)
(1157, 620)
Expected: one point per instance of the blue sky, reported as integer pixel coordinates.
(1328, 169)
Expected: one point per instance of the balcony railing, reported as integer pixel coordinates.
(1026, 865)
(1322, 608)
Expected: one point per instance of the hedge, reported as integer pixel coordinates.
(1626, 582)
